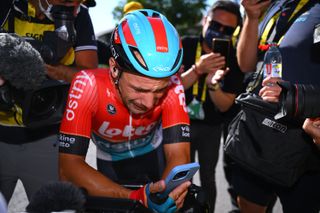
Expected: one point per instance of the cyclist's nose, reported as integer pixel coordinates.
(149, 100)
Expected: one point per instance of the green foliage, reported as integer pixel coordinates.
(185, 15)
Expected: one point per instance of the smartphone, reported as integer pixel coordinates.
(222, 46)
(179, 175)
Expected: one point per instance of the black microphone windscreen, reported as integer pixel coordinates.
(20, 63)
(56, 196)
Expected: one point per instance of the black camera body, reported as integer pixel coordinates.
(299, 101)
(56, 44)
(42, 105)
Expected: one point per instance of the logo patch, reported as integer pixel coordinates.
(272, 124)
(111, 109)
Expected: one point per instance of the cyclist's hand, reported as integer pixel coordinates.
(148, 196)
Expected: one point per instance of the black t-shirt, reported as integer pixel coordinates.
(232, 83)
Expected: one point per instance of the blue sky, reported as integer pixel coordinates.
(101, 15)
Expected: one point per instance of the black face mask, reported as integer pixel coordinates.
(214, 31)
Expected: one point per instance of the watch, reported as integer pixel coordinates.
(214, 86)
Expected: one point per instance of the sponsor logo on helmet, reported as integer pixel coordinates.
(161, 69)
(136, 28)
(111, 109)
(114, 53)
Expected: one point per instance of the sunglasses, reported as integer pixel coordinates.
(216, 26)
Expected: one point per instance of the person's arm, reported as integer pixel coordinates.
(86, 59)
(73, 168)
(247, 48)
(85, 48)
(176, 154)
(222, 100)
(207, 63)
(312, 127)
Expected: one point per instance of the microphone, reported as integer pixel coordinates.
(21, 65)
(57, 197)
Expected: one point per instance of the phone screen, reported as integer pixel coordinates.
(222, 46)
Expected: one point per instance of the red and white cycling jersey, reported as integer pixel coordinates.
(94, 110)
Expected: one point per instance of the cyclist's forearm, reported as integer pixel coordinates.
(77, 171)
(176, 154)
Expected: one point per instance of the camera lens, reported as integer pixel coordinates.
(180, 175)
(44, 103)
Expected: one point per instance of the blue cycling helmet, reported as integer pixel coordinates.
(146, 42)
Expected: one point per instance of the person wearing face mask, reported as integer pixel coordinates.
(211, 88)
(30, 154)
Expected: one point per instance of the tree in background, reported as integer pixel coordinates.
(185, 15)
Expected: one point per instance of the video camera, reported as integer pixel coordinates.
(41, 99)
(299, 101)
(55, 44)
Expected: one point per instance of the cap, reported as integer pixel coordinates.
(131, 6)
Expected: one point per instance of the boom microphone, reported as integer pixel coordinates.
(21, 65)
(57, 197)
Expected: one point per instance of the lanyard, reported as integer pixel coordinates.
(195, 89)
(272, 22)
(264, 37)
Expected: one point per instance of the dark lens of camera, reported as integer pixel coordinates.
(180, 175)
(64, 17)
(307, 101)
(44, 103)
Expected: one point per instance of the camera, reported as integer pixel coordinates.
(42, 103)
(299, 101)
(56, 44)
(40, 107)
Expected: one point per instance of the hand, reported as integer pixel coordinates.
(210, 63)
(215, 77)
(312, 127)
(147, 195)
(60, 72)
(254, 8)
(271, 90)
(1, 81)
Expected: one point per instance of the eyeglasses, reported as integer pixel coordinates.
(216, 26)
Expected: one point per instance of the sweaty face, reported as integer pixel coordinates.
(140, 94)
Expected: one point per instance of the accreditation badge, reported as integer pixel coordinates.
(195, 110)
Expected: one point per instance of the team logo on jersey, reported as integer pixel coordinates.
(111, 109)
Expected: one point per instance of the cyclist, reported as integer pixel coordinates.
(134, 112)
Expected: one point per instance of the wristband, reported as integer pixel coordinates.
(139, 195)
(195, 70)
(214, 87)
(152, 201)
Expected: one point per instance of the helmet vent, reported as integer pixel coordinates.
(137, 55)
(177, 60)
(155, 15)
(144, 13)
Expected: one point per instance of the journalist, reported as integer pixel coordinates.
(287, 149)
(210, 88)
(62, 33)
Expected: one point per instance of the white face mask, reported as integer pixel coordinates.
(46, 12)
